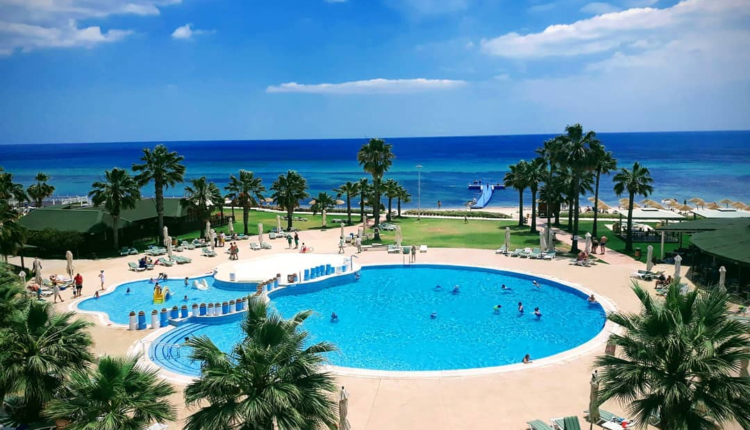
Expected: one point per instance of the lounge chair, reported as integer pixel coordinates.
(502, 250)
(606, 416)
(567, 423)
(272, 235)
(265, 245)
(242, 237)
(423, 249)
(181, 260)
(206, 252)
(165, 262)
(158, 426)
(406, 250)
(535, 253)
(539, 425)
(549, 256)
(254, 246)
(135, 268)
(187, 245)
(516, 253)
(124, 251)
(393, 249)
(525, 253)
(645, 275)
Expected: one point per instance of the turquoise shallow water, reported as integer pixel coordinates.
(385, 324)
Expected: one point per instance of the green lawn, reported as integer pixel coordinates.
(617, 244)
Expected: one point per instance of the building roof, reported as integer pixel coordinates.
(722, 213)
(651, 213)
(731, 244)
(96, 219)
(705, 225)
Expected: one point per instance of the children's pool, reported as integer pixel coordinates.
(385, 320)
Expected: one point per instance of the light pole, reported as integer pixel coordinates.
(419, 192)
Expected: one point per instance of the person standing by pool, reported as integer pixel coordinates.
(101, 279)
(296, 240)
(341, 245)
(78, 281)
(603, 243)
(56, 292)
(289, 241)
(520, 307)
(358, 242)
(413, 254)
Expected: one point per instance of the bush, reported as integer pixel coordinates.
(468, 214)
(55, 243)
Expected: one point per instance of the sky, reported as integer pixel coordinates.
(161, 70)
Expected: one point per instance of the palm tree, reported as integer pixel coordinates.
(36, 354)
(198, 197)
(288, 191)
(575, 153)
(390, 189)
(604, 163)
(246, 190)
(678, 362)
(117, 192)
(272, 379)
(324, 202)
(166, 170)
(348, 189)
(217, 199)
(40, 190)
(402, 196)
(517, 178)
(637, 181)
(116, 394)
(364, 190)
(12, 234)
(535, 173)
(376, 158)
(13, 297)
(10, 190)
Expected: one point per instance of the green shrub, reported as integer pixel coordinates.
(55, 243)
(468, 214)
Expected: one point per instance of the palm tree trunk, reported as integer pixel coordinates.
(520, 208)
(159, 195)
(629, 236)
(399, 207)
(390, 200)
(233, 218)
(289, 216)
(533, 210)
(362, 210)
(221, 215)
(116, 230)
(245, 218)
(571, 200)
(574, 248)
(376, 209)
(596, 201)
(349, 208)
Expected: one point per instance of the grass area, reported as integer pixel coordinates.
(454, 233)
(617, 244)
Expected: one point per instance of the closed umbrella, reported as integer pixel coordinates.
(324, 218)
(344, 410)
(361, 233)
(342, 230)
(168, 245)
(260, 232)
(677, 266)
(70, 269)
(722, 276)
(166, 233)
(594, 400)
(588, 243)
(507, 239)
(650, 258)
(22, 275)
(231, 227)
(399, 237)
(542, 241)
(278, 224)
(37, 271)
(207, 233)
(550, 239)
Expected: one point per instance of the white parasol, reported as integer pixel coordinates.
(344, 410)
(207, 233)
(399, 237)
(722, 276)
(550, 239)
(37, 271)
(70, 269)
(342, 231)
(166, 233)
(260, 232)
(231, 227)
(588, 243)
(168, 245)
(677, 266)
(324, 218)
(507, 239)
(278, 224)
(542, 241)
(650, 258)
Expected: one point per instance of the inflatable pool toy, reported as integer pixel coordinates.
(204, 284)
(161, 296)
(198, 285)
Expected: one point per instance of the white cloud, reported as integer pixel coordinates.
(598, 8)
(36, 24)
(427, 8)
(186, 32)
(610, 31)
(372, 86)
(544, 7)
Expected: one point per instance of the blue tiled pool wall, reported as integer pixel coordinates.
(236, 286)
(313, 286)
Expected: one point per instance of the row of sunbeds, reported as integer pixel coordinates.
(606, 420)
(166, 262)
(533, 253)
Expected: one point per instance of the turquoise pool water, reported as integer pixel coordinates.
(119, 303)
(385, 320)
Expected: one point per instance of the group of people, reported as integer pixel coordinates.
(234, 251)
(662, 281)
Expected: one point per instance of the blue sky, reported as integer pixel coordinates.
(129, 70)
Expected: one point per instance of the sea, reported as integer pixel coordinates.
(712, 165)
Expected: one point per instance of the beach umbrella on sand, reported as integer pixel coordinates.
(344, 410)
(70, 269)
(650, 258)
(588, 243)
(260, 232)
(726, 202)
(207, 233)
(652, 204)
(37, 271)
(507, 239)
(601, 205)
(713, 206)
(594, 400)
(231, 227)
(684, 208)
(722, 276)
(168, 245)
(677, 266)
(339, 202)
(696, 200)
(542, 241)
(624, 204)
(738, 205)
(399, 237)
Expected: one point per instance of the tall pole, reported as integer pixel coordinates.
(419, 192)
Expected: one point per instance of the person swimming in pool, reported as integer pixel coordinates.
(433, 315)
(438, 288)
(592, 299)
(504, 288)
(527, 359)
(456, 290)
(497, 308)
(520, 307)
(537, 313)
(536, 284)
(186, 281)
(128, 291)
(334, 317)
(184, 299)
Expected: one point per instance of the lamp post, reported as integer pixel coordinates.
(419, 192)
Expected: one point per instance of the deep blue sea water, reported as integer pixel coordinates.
(712, 165)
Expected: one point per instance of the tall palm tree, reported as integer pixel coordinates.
(364, 191)
(273, 379)
(36, 354)
(517, 178)
(535, 173)
(198, 197)
(402, 196)
(166, 170)
(390, 190)
(247, 190)
(12, 234)
(323, 202)
(348, 189)
(678, 362)
(10, 190)
(115, 394)
(288, 191)
(117, 192)
(605, 163)
(636, 181)
(217, 199)
(40, 190)
(575, 153)
(376, 158)
(13, 297)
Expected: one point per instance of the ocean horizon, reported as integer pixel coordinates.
(710, 164)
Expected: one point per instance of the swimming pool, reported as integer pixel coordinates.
(385, 320)
(119, 303)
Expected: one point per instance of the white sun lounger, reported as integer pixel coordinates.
(423, 249)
